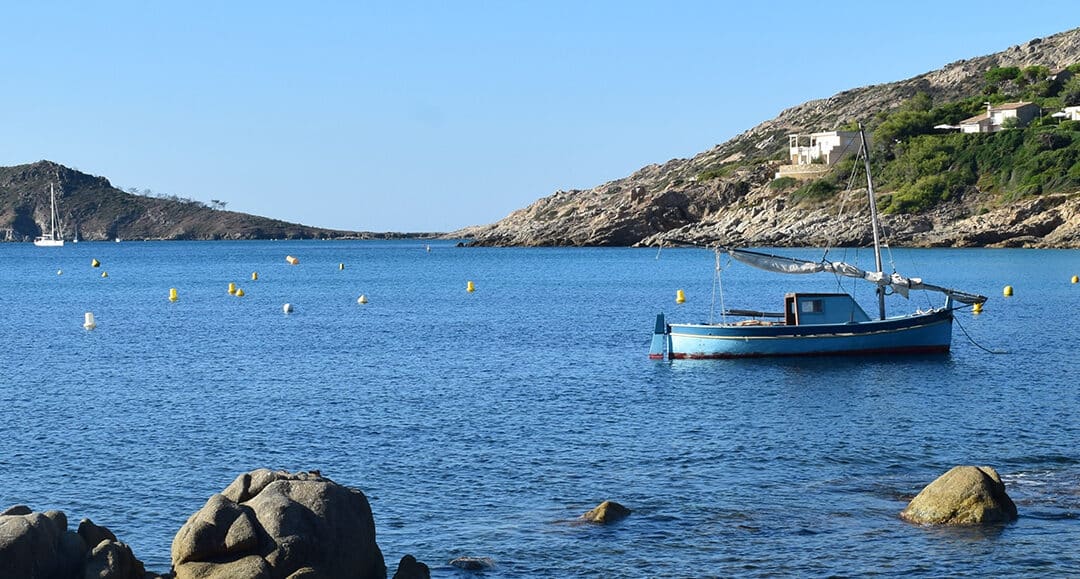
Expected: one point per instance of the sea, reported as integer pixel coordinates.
(485, 423)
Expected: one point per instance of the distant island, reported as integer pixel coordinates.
(983, 152)
(94, 210)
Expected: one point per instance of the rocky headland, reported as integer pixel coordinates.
(97, 211)
(723, 195)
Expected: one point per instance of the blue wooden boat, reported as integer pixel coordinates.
(816, 324)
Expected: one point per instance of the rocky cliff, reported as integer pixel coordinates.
(671, 202)
(103, 212)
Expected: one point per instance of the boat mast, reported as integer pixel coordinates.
(873, 221)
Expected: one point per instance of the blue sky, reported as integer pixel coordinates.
(431, 116)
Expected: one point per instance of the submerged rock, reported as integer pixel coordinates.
(279, 524)
(473, 563)
(607, 512)
(966, 495)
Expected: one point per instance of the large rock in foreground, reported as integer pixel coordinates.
(966, 495)
(277, 524)
(40, 545)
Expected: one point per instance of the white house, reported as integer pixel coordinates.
(1071, 113)
(822, 148)
(812, 155)
(994, 118)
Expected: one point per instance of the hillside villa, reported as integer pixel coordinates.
(995, 117)
(812, 155)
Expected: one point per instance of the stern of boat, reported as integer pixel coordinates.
(659, 339)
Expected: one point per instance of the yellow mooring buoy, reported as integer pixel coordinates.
(1007, 291)
(340, 266)
(104, 274)
(232, 288)
(470, 287)
(239, 293)
(254, 276)
(1075, 279)
(172, 294)
(95, 263)
(680, 296)
(977, 308)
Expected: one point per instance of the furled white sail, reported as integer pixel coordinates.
(899, 284)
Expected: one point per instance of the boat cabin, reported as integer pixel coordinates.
(813, 309)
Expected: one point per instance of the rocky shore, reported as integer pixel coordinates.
(281, 525)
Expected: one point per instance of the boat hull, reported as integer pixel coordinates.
(920, 333)
(49, 242)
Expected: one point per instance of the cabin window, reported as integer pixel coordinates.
(811, 306)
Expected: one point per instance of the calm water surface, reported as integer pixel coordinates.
(483, 424)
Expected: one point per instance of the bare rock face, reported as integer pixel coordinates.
(607, 512)
(40, 545)
(277, 524)
(410, 568)
(966, 495)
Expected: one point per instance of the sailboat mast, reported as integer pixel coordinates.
(873, 220)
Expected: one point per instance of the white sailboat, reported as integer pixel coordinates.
(54, 238)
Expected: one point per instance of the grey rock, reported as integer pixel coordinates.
(279, 524)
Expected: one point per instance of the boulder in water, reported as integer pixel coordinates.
(966, 495)
(607, 512)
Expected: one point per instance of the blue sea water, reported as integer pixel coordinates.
(485, 423)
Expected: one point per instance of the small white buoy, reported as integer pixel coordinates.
(287, 308)
(292, 260)
(362, 299)
(59, 272)
(427, 248)
(341, 266)
(88, 321)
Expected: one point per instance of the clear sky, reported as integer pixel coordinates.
(431, 116)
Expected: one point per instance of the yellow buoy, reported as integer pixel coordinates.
(239, 293)
(104, 274)
(172, 294)
(977, 308)
(287, 308)
(470, 287)
(254, 276)
(341, 266)
(1007, 291)
(680, 297)
(292, 260)
(88, 321)
(1075, 279)
(232, 288)
(362, 299)
(95, 263)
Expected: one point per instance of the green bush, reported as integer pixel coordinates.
(815, 191)
(783, 183)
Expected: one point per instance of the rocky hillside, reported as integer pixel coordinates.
(671, 202)
(103, 212)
